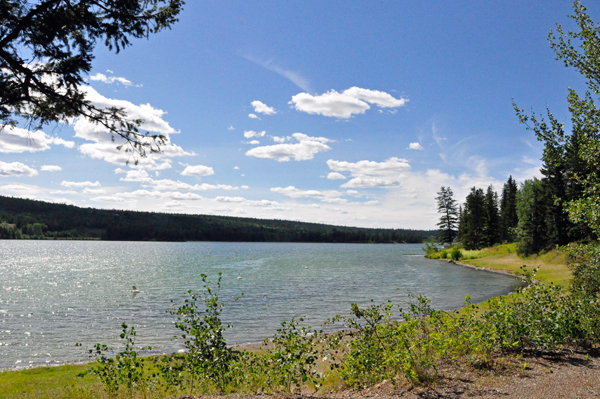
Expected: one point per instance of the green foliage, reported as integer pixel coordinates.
(126, 369)
(448, 224)
(294, 356)
(531, 209)
(563, 207)
(508, 211)
(443, 254)
(46, 49)
(430, 247)
(456, 254)
(544, 318)
(373, 345)
(208, 357)
(67, 221)
(584, 262)
(473, 218)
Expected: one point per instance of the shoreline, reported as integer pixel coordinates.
(485, 269)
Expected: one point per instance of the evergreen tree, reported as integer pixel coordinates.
(474, 217)
(448, 224)
(508, 211)
(461, 224)
(532, 210)
(492, 218)
(47, 48)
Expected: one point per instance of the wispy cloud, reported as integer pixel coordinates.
(292, 76)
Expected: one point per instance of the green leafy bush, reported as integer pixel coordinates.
(126, 369)
(294, 356)
(372, 347)
(456, 254)
(208, 358)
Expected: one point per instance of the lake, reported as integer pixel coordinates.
(54, 294)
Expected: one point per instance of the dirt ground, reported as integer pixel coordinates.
(568, 376)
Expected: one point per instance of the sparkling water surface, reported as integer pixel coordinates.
(54, 294)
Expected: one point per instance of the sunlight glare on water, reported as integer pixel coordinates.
(54, 294)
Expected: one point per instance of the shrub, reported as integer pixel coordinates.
(294, 356)
(207, 355)
(455, 254)
(126, 369)
(584, 262)
(443, 254)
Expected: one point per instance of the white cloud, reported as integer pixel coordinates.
(94, 191)
(280, 139)
(231, 127)
(242, 200)
(80, 184)
(262, 108)
(379, 98)
(236, 168)
(184, 196)
(63, 192)
(111, 79)
(59, 141)
(50, 168)
(370, 182)
(15, 188)
(198, 170)
(102, 146)
(371, 174)
(251, 133)
(16, 140)
(336, 176)
(254, 142)
(353, 193)
(292, 76)
(293, 192)
(159, 194)
(171, 185)
(16, 169)
(331, 103)
(253, 116)
(172, 204)
(108, 198)
(305, 149)
(391, 165)
(345, 104)
(415, 146)
(135, 175)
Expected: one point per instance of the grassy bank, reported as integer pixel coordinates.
(552, 265)
(50, 382)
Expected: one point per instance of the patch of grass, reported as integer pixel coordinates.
(50, 382)
(552, 265)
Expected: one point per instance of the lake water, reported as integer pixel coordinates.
(54, 294)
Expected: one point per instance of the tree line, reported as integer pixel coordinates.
(27, 219)
(533, 213)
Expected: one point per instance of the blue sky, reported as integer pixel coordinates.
(342, 112)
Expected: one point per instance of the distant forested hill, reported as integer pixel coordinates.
(24, 218)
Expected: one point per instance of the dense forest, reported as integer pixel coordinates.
(534, 214)
(24, 218)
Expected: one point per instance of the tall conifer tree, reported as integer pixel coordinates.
(508, 210)
(473, 220)
(448, 224)
(492, 218)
